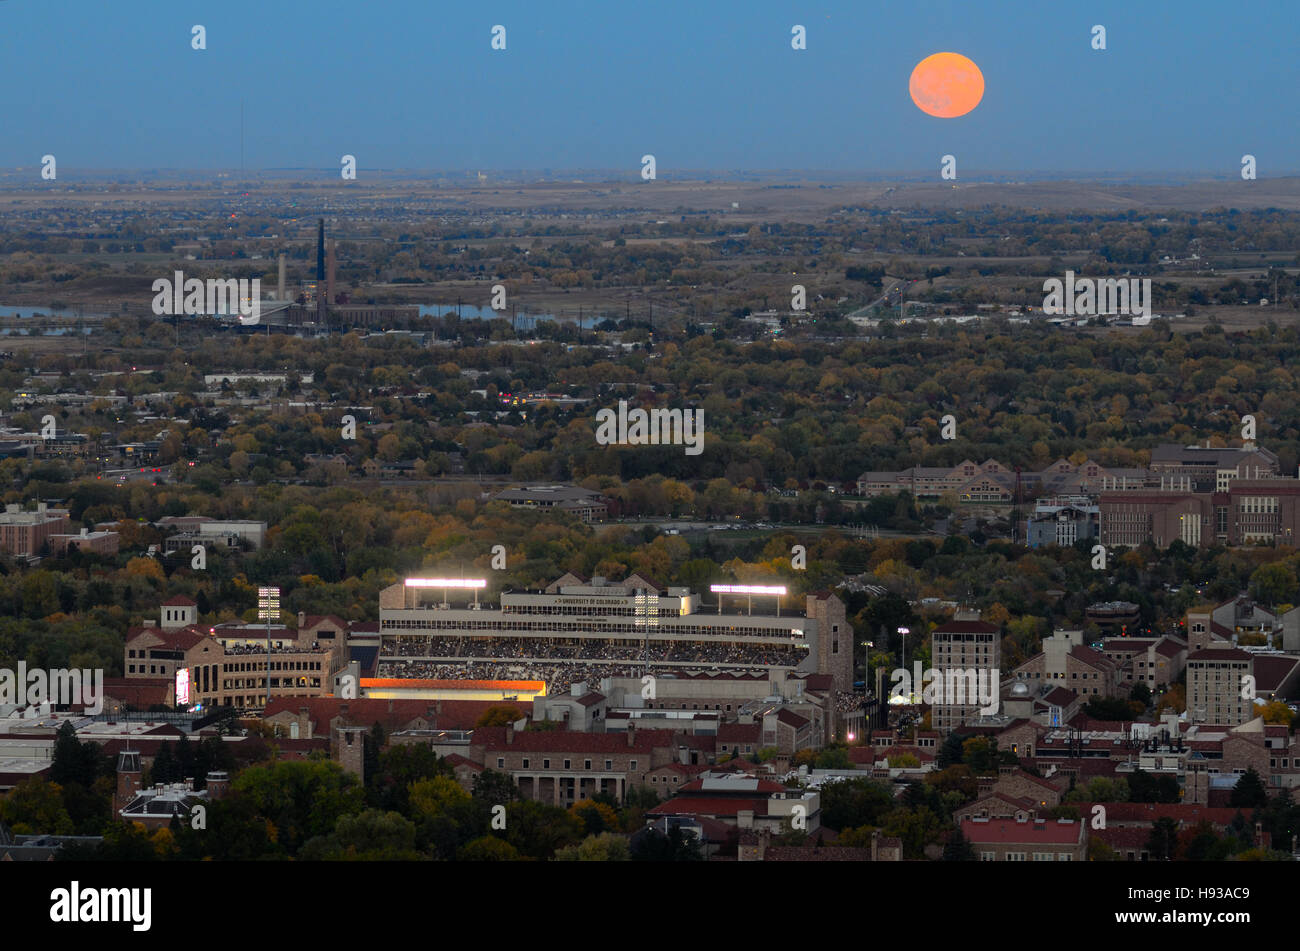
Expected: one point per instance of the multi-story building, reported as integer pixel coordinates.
(1216, 686)
(562, 767)
(1066, 661)
(746, 802)
(96, 543)
(28, 533)
(582, 503)
(1113, 615)
(1205, 469)
(1062, 522)
(964, 644)
(227, 664)
(992, 481)
(1245, 512)
(1027, 839)
(578, 630)
(1154, 661)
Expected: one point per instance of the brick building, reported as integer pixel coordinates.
(28, 533)
(1027, 840)
(965, 644)
(1215, 682)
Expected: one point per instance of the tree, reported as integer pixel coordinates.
(302, 799)
(651, 845)
(500, 715)
(596, 817)
(35, 806)
(1109, 708)
(1162, 843)
(1276, 711)
(855, 802)
(1249, 792)
(605, 847)
(951, 752)
(488, 848)
(958, 849)
(368, 836)
(495, 788)
(1100, 851)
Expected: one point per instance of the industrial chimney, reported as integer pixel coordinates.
(320, 254)
(329, 279)
(279, 292)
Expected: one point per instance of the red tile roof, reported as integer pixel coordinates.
(1218, 653)
(178, 639)
(760, 786)
(709, 806)
(740, 732)
(1010, 832)
(1186, 813)
(391, 714)
(966, 627)
(553, 741)
(792, 719)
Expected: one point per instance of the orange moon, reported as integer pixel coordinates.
(946, 85)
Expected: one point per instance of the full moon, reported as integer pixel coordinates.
(946, 85)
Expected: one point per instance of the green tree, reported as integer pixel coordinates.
(1162, 843)
(1249, 792)
(35, 806)
(488, 849)
(605, 847)
(958, 849)
(302, 799)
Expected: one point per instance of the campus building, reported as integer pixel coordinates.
(578, 630)
(581, 503)
(1062, 522)
(968, 645)
(1244, 512)
(1215, 682)
(29, 533)
(227, 664)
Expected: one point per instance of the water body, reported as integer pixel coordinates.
(473, 311)
(29, 311)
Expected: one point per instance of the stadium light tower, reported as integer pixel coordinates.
(445, 584)
(268, 606)
(750, 590)
(647, 617)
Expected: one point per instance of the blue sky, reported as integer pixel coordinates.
(1184, 88)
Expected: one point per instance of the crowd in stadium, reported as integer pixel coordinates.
(694, 652)
(515, 659)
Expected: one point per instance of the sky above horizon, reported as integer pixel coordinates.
(1184, 88)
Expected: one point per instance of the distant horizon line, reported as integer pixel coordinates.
(683, 175)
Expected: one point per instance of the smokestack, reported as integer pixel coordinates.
(329, 278)
(279, 292)
(320, 252)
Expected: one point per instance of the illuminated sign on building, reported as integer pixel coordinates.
(183, 685)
